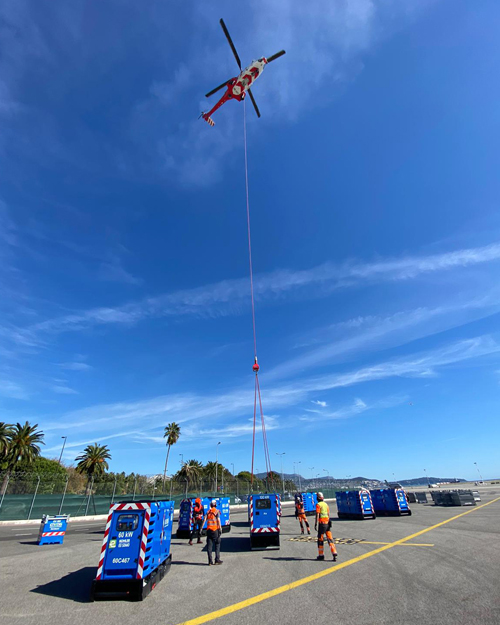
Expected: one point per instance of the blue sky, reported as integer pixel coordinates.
(374, 195)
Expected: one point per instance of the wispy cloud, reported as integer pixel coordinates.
(75, 366)
(12, 390)
(232, 296)
(227, 410)
(62, 389)
(323, 404)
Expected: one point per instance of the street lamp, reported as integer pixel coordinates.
(480, 476)
(65, 439)
(428, 483)
(182, 459)
(216, 464)
(300, 478)
(232, 464)
(282, 477)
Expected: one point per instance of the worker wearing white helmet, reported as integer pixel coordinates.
(214, 532)
(323, 526)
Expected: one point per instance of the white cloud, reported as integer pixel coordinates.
(223, 409)
(63, 390)
(12, 390)
(75, 366)
(230, 296)
(323, 404)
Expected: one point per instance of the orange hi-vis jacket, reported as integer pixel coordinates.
(212, 520)
(300, 508)
(198, 511)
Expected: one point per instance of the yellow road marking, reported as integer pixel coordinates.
(211, 616)
(371, 542)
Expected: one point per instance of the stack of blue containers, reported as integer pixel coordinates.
(354, 504)
(390, 501)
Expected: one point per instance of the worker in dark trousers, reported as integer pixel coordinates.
(214, 532)
(300, 514)
(197, 521)
(323, 525)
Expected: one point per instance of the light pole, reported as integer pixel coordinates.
(182, 459)
(232, 464)
(325, 475)
(480, 476)
(65, 439)
(216, 464)
(428, 483)
(300, 479)
(282, 477)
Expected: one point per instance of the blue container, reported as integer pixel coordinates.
(185, 522)
(53, 529)
(264, 516)
(390, 501)
(354, 504)
(310, 501)
(223, 508)
(135, 553)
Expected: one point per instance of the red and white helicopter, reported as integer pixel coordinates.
(238, 87)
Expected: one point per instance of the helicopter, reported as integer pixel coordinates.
(239, 86)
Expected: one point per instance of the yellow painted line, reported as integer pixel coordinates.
(371, 542)
(211, 616)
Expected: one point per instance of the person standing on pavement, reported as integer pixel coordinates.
(214, 532)
(300, 514)
(323, 526)
(197, 521)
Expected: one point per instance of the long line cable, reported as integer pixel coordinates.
(257, 393)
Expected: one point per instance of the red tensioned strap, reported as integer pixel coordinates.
(257, 385)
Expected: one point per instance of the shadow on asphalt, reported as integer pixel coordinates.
(239, 523)
(176, 562)
(29, 542)
(74, 586)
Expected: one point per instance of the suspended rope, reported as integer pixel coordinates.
(257, 394)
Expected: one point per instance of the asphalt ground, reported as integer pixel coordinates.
(448, 573)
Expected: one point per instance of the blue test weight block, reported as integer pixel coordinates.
(53, 529)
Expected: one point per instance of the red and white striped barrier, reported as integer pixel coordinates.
(53, 534)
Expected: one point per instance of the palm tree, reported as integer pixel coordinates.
(210, 470)
(23, 443)
(93, 461)
(191, 471)
(172, 433)
(5, 434)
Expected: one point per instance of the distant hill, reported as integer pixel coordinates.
(432, 480)
(325, 480)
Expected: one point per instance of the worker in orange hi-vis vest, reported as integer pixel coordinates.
(214, 532)
(300, 514)
(323, 525)
(197, 521)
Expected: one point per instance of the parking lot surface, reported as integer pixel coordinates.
(447, 573)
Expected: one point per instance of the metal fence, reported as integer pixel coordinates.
(29, 496)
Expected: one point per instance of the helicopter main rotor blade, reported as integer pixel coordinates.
(230, 41)
(254, 103)
(276, 56)
(216, 89)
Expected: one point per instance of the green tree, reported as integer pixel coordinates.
(192, 471)
(52, 475)
(93, 462)
(5, 434)
(171, 434)
(23, 445)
